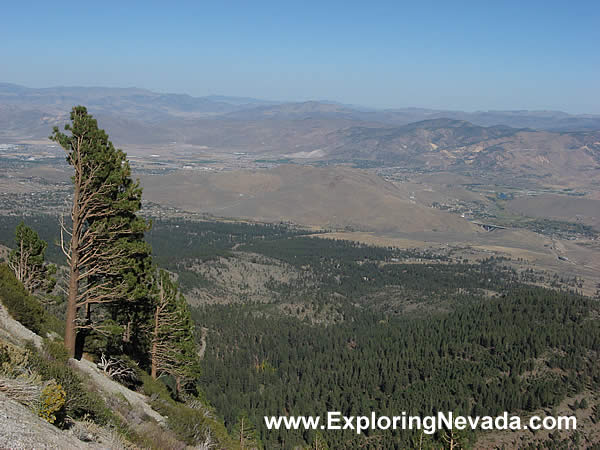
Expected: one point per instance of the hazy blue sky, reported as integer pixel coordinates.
(462, 55)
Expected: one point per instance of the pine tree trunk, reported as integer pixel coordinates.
(154, 370)
(71, 316)
(70, 332)
(178, 386)
(20, 276)
(242, 433)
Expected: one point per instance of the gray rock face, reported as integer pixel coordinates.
(14, 332)
(20, 428)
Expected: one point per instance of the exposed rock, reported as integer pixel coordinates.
(22, 429)
(111, 387)
(14, 332)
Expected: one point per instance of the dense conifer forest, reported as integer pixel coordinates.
(524, 350)
(476, 339)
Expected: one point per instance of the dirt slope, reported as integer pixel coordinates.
(328, 196)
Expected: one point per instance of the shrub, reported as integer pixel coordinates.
(55, 351)
(52, 401)
(156, 437)
(13, 360)
(24, 307)
(20, 305)
(191, 426)
(188, 424)
(155, 388)
(80, 402)
(4, 355)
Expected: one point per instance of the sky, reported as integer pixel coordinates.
(480, 55)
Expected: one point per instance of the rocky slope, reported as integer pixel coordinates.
(22, 429)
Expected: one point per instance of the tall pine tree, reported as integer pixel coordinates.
(109, 261)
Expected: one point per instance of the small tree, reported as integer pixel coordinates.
(109, 262)
(455, 439)
(422, 441)
(27, 260)
(244, 432)
(173, 347)
(319, 443)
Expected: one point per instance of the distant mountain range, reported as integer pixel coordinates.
(147, 106)
(133, 103)
(539, 120)
(532, 143)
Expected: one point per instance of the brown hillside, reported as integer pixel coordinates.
(337, 197)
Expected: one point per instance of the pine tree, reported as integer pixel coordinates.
(173, 347)
(455, 439)
(27, 260)
(109, 262)
(319, 443)
(244, 432)
(422, 441)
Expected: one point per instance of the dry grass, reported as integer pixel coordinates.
(159, 437)
(21, 390)
(88, 431)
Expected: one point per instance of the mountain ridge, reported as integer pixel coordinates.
(145, 104)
